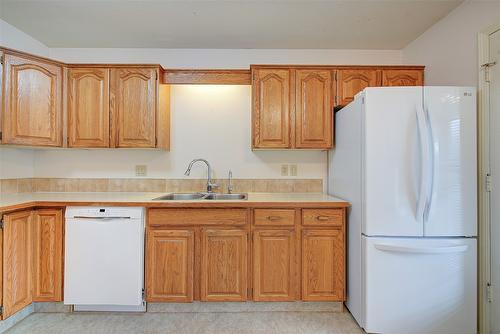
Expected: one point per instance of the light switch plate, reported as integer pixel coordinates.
(141, 170)
(284, 170)
(293, 170)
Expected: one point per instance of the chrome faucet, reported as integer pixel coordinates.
(210, 184)
(230, 183)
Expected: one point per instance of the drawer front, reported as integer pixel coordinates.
(323, 217)
(274, 217)
(166, 217)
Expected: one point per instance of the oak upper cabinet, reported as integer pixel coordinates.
(352, 81)
(274, 261)
(17, 262)
(169, 265)
(48, 255)
(271, 113)
(402, 77)
(88, 107)
(223, 271)
(313, 109)
(134, 94)
(32, 104)
(323, 265)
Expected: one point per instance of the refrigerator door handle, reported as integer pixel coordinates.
(433, 147)
(424, 164)
(421, 250)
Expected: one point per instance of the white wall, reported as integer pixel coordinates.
(18, 163)
(449, 48)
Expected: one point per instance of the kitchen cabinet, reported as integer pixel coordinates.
(32, 103)
(352, 81)
(169, 265)
(271, 116)
(17, 278)
(323, 265)
(274, 265)
(402, 77)
(48, 255)
(223, 272)
(313, 109)
(88, 107)
(134, 106)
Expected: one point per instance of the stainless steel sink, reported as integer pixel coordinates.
(180, 197)
(199, 196)
(222, 197)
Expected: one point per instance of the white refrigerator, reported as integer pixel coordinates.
(405, 157)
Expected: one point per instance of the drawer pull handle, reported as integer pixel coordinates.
(322, 218)
(155, 225)
(273, 218)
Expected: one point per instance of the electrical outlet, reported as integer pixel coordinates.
(293, 170)
(141, 170)
(284, 170)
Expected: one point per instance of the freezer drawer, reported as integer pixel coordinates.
(416, 286)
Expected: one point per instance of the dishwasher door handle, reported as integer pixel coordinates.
(102, 218)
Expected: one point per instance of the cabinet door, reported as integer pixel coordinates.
(169, 265)
(402, 78)
(323, 262)
(17, 262)
(32, 110)
(274, 265)
(48, 255)
(313, 109)
(352, 81)
(224, 265)
(88, 107)
(134, 105)
(271, 108)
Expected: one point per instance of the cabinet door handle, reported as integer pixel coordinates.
(273, 218)
(155, 225)
(322, 218)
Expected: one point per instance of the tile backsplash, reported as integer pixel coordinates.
(26, 185)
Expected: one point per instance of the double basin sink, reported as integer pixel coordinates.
(200, 196)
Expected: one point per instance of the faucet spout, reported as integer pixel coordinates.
(210, 184)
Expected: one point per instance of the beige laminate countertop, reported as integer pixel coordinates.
(9, 202)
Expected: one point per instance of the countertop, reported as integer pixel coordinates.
(9, 202)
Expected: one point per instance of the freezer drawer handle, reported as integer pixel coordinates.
(421, 250)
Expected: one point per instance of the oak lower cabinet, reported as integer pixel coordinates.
(274, 265)
(169, 265)
(48, 255)
(323, 265)
(223, 274)
(32, 103)
(32, 258)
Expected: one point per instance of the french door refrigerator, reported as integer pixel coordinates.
(405, 157)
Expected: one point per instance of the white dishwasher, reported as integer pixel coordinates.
(104, 259)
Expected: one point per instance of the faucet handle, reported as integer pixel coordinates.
(211, 186)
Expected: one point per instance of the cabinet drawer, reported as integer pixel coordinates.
(165, 217)
(274, 217)
(323, 217)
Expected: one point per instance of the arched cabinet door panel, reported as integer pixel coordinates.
(352, 81)
(402, 78)
(32, 110)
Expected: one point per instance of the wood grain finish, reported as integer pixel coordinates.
(133, 106)
(88, 107)
(165, 217)
(271, 115)
(275, 217)
(352, 81)
(274, 265)
(323, 265)
(404, 77)
(17, 262)
(32, 104)
(323, 217)
(48, 255)
(211, 77)
(169, 265)
(223, 272)
(314, 109)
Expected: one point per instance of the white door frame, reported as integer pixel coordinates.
(483, 170)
